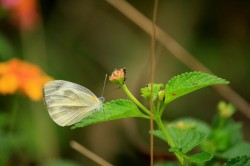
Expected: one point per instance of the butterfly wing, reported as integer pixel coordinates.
(68, 103)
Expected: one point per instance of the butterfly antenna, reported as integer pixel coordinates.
(104, 84)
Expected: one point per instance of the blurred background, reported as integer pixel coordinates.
(81, 41)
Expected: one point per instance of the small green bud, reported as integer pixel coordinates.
(226, 110)
(146, 91)
(161, 95)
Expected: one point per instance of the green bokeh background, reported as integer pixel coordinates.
(81, 41)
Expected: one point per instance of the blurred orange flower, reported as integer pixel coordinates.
(24, 12)
(20, 75)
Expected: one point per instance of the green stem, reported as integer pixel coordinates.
(157, 119)
(14, 112)
(162, 109)
(221, 122)
(158, 106)
(131, 96)
(168, 138)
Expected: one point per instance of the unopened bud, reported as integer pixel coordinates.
(118, 76)
(161, 95)
(225, 110)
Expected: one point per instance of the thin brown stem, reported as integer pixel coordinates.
(152, 73)
(78, 147)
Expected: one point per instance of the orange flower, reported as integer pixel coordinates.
(8, 84)
(23, 12)
(19, 75)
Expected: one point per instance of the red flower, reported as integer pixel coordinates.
(23, 12)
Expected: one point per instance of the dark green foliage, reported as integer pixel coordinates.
(238, 161)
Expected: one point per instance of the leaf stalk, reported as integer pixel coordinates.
(132, 97)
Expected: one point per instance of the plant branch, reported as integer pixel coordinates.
(178, 51)
(168, 138)
(75, 145)
(131, 96)
(162, 108)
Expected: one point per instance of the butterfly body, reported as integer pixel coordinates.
(68, 103)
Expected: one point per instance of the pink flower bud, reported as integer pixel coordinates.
(118, 76)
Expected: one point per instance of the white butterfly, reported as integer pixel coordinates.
(68, 103)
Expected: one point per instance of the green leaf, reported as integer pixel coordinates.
(238, 161)
(188, 82)
(115, 109)
(185, 137)
(146, 92)
(193, 123)
(159, 134)
(201, 157)
(240, 149)
(223, 136)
